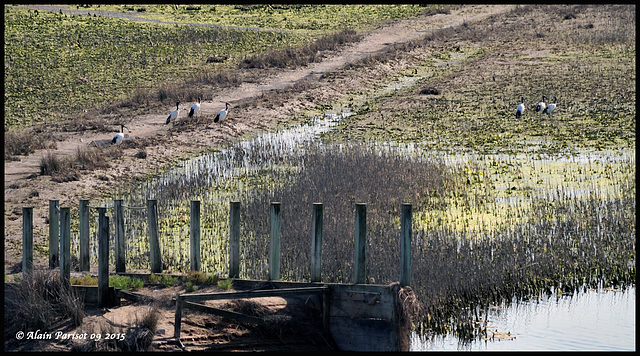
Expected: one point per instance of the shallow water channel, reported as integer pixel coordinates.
(588, 321)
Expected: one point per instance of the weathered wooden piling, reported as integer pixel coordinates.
(194, 236)
(316, 242)
(234, 239)
(361, 242)
(103, 257)
(154, 243)
(27, 240)
(405, 245)
(65, 246)
(274, 255)
(119, 238)
(83, 232)
(54, 233)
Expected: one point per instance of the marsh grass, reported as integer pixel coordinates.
(593, 78)
(68, 168)
(25, 142)
(40, 302)
(295, 57)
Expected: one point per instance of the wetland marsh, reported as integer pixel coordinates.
(504, 209)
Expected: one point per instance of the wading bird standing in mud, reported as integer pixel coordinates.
(195, 108)
(117, 139)
(550, 107)
(520, 109)
(541, 105)
(174, 114)
(222, 114)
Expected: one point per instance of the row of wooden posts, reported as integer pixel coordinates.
(60, 233)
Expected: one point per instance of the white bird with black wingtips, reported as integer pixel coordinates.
(520, 109)
(195, 108)
(222, 114)
(174, 114)
(552, 106)
(117, 139)
(541, 105)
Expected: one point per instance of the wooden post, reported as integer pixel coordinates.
(178, 318)
(405, 245)
(274, 255)
(154, 242)
(316, 243)
(54, 233)
(194, 236)
(234, 239)
(103, 257)
(361, 241)
(83, 229)
(27, 241)
(65, 246)
(119, 238)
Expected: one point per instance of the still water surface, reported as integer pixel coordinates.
(591, 321)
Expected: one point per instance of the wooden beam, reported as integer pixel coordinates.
(361, 243)
(234, 239)
(274, 255)
(65, 246)
(225, 313)
(155, 258)
(27, 240)
(54, 233)
(119, 245)
(194, 235)
(253, 294)
(316, 243)
(83, 231)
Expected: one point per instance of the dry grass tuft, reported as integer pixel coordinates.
(137, 337)
(39, 303)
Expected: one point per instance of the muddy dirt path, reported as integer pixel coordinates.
(24, 187)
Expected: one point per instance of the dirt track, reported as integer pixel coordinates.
(250, 111)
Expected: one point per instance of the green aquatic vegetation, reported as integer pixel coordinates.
(312, 18)
(58, 64)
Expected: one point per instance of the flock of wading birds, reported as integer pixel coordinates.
(173, 115)
(541, 107)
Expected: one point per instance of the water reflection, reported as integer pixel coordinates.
(590, 321)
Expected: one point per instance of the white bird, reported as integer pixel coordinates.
(520, 109)
(174, 114)
(541, 105)
(550, 107)
(117, 139)
(195, 108)
(222, 114)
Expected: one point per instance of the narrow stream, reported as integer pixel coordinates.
(588, 321)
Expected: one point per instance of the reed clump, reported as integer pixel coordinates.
(40, 301)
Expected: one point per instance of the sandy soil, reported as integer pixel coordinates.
(255, 106)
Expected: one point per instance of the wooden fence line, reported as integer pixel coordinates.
(62, 231)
